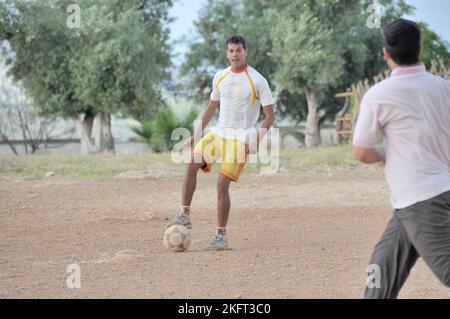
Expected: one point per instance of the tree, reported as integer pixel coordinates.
(20, 119)
(254, 20)
(294, 44)
(305, 45)
(206, 53)
(434, 48)
(115, 62)
(158, 133)
(325, 46)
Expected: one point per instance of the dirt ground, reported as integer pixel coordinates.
(306, 235)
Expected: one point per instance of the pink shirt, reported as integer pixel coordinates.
(411, 110)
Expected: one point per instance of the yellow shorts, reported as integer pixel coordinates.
(230, 153)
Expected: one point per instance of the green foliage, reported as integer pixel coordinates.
(218, 20)
(434, 48)
(158, 132)
(144, 131)
(306, 48)
(327, 43)
(299, 136)
(115, 63)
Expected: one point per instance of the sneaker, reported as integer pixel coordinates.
(219, 242)
(181, 219)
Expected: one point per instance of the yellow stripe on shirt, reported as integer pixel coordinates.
(254, 97)
(222, 78)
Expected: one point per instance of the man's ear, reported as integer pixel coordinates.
(386, 55)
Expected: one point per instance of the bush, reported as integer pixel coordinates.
(158, 133)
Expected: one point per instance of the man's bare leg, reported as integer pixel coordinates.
(190, 182)
(189, 185)
(223, 203)
(220, 241)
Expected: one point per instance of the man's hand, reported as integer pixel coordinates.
(207, 115)
(251, 147)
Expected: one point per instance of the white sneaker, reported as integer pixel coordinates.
(181, 219)
(219, 242)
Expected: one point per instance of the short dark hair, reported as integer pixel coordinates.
(237, 39)
(402, 40)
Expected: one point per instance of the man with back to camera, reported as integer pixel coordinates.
(241, 91)
(411, 109)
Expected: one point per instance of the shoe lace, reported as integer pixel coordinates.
(181, 215)
(218, 237)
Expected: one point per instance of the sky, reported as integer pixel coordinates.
(436, 13)
(185, 13)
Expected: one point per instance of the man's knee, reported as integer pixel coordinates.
(223, 184)
(196, 164)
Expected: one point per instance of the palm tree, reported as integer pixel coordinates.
(158, 132)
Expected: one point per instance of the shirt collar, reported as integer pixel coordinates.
(409, 70)
(241, 70)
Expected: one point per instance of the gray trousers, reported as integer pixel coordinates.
(421, 230)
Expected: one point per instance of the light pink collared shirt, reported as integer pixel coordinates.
(411, 110)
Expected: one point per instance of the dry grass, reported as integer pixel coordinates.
(107, 165)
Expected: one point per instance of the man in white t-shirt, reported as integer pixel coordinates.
(241, 92)
(411, 110)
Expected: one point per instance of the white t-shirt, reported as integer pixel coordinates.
(412, 111)
(241, 96)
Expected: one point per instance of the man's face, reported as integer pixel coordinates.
(236, 55)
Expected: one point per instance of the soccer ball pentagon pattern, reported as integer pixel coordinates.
(177, 238)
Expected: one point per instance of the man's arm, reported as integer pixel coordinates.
(268, 121)
(369, 155)
(367, 131)
(206, 117)
(265, 126)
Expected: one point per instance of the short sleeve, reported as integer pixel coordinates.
(264, 93)
(367, 127)
(215, 93)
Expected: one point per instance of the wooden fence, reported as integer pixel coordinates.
(347, 117)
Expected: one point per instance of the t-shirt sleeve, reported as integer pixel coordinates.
(264, 93)
(215, 93)
(367, 127)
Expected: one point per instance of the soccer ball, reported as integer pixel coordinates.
(177, 238)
